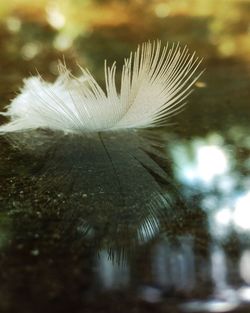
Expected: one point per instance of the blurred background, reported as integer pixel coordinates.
(207, 147)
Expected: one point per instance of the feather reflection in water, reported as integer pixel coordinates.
(92, 152)
(101, 198)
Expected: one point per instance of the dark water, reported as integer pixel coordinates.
(77, 236)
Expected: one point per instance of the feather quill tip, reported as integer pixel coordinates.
(155, 81)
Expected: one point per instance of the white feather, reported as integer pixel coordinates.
(154, 83)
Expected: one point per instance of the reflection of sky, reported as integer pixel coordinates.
(241, 214)
(208, 167)
(201, 162)
(244, 266)
(226, 297)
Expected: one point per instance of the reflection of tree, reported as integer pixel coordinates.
(218, 182)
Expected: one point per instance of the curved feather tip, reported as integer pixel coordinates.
(154, 83)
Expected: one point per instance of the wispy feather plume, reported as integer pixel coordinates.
(154, 84)
(93, 158)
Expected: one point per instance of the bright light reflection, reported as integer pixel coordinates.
(211, 161)
(13, 24)
(162, 10)
(241, 215)
(205, 163)
(63, 42)
(221, 222)
(244, 293)
(213, 305)
(224, 216)
(244, 267)
(30, 50)
(55, 18)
